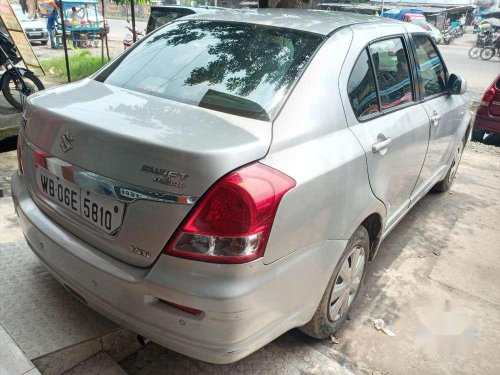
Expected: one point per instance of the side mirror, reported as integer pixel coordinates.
(456, 85)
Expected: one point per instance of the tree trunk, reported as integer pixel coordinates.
(132, 14)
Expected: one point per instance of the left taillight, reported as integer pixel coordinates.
(232, 222)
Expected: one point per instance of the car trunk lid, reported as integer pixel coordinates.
(153, 155)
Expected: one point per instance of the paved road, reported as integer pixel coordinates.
(479, 73)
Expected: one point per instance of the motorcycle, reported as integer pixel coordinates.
(128, 40)
(448, 37)
(16, 83)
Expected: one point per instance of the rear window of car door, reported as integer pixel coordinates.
(361, 88)
(392, 71)
(432, 70)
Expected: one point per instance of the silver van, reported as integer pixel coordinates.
(230, 176)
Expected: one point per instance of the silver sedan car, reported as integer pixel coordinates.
(230, 176)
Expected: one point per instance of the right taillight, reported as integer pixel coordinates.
(232, 221)
(488, 97)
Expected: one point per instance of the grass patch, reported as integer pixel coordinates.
(81, 64)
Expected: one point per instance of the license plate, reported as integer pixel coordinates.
(103, 212)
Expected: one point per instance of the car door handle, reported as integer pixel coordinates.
(435, 120)
(382, 145)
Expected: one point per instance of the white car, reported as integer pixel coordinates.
(434, 32)
(35, 29)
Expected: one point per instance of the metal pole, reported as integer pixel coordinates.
(132, 14)
(382, 10)
(68, 74)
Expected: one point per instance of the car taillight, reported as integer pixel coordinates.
(19, 161)
(488, 97)
(232, 221)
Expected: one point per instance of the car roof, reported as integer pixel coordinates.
(316, 21)
(199, 9)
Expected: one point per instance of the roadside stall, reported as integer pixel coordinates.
(83, 23)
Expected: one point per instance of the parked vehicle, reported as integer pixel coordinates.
(35, 29)
(219, 196)
(434, 32)
(448, 37)
(415, 16)
(163, 14)
(487, 120)
(16, 83)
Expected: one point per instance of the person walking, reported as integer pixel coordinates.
(51, 27)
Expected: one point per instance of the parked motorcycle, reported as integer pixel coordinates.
(128, 40)
(448, 37)
(17, 83)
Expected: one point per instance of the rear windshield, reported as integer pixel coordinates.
(237, 68)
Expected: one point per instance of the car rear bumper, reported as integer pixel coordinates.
(244, 306)
(489, 124)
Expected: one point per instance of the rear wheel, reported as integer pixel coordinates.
(343, 288)
(487, 53)
(13, 89)
(474, 52)
(478, 135)
(445, 184)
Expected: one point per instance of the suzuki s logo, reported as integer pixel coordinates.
(66, 140)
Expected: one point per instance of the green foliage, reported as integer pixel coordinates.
(136, 2)
(81, 64)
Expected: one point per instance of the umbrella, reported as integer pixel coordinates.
(47, 6)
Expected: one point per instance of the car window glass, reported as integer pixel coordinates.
(392, 72)
(160, 17)
(431, 67)
(237, 68)
(361, 87)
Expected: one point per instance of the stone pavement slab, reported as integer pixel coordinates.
(39, 314)
(13, 361)
(100, 364)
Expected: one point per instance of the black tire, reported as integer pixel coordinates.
(44, 42)
(488, 52)
(445, 184)
(474, 52)
(477, 135)
(321, 326)
(14, 98)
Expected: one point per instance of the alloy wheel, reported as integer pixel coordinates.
(346, 283)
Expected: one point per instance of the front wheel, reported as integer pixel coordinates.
(487, 53)
(474, 52)
(13, 89)
(343, 288)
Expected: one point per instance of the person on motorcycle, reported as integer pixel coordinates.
(51, 27)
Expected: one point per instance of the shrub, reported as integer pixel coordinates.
(81, 64)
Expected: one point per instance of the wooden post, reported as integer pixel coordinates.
(132, 14)
(68, 74)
